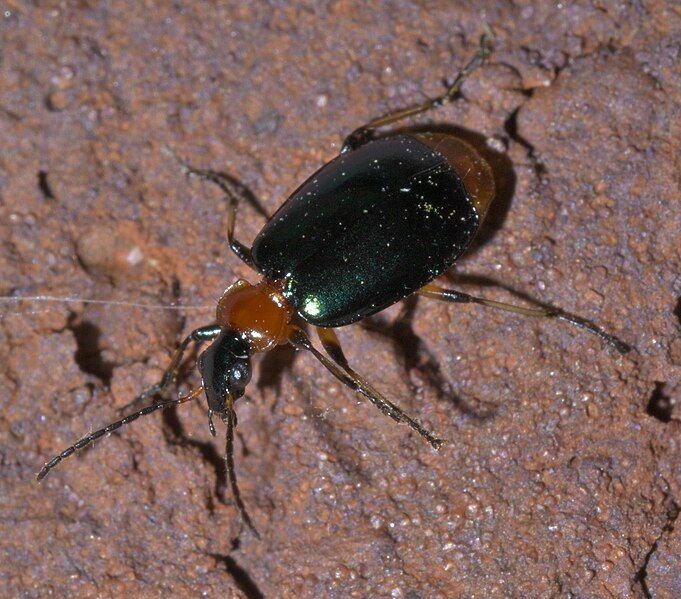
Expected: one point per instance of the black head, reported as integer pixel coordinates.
(226, 369)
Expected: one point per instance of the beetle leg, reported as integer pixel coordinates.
(366, 132)
(450, 295)
(342, 371)
(234, 193)
(197, 336)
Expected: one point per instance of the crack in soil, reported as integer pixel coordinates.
(642, 574)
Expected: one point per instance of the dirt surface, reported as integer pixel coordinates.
(562, 476)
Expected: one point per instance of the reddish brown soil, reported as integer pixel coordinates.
(562, 476)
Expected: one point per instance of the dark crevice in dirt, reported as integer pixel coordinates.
(44, 186)
(677, 310)
(88, 356)
(642, 574)
(660, 405)
(242, 578)
(511, 128)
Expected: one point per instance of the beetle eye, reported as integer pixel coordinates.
(239, 377)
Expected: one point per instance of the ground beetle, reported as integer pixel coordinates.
(373, 226)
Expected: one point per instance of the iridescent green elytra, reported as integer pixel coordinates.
(366, 230)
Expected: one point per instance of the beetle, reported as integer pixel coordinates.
(374, 225)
